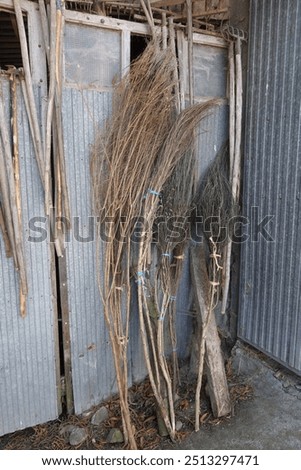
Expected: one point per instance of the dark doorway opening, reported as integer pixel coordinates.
(138, 45)
(10, 48)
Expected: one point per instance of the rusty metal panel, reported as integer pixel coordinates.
(28, 388)
(269, 315)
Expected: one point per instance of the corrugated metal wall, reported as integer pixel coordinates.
(270, 294)
(29, 361)
(28, 388)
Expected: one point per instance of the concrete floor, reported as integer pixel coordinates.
(270, 420)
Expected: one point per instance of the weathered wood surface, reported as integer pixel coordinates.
(216, 375)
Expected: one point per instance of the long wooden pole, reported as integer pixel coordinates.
(237, 151)
(190, 50)
(6, 157)
(8, 250)
(16, 169)
(58, 109)
(235, 155)
(45, 27)
(51, 94)
(28, 81)
(232, 115)
(4, 189)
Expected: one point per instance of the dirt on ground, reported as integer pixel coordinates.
(55, 436)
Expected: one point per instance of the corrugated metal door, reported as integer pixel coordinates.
(270, 294)
(29, 369)
(93, 58)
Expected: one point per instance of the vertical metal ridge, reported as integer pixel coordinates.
(270, 282)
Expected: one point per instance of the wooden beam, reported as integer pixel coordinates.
(166, 3)
(216, 375)
(203, 14)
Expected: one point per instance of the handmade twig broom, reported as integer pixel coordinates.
(132, 161)
(123, 161)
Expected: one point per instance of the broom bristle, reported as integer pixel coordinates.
(214, 200)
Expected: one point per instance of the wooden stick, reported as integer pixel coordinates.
(23, 287)
(149, 18)
(190, 50)
(228, 248)
(16, 172)
(31, 101)
(231, 106)
(205, 324)
(182, 68)
(4, 189)
(167, 3)
(143, 334)
(51, 94)
(237, 154)
(57, 213)
(45, 27)
(152, 335)
(164, 31)
(29, 116)
(138, 17)
(203, 14)
(8, 163)
(137, 7)
(172, 42)
(236, 157)
(58, 116)
(6, 207)
(163, 365)
(7, 245)
(15, 132)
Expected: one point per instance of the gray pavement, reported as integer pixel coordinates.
(270, 420)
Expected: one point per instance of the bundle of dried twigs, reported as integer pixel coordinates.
(134, 157)
(122, 165)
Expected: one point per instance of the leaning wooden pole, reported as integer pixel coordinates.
(232, 116)
(45, 27)
(50, 105)
(7, 162)
(190, 50)
(5, 192)
(16, 170)
(7, 245)
(30, 95)
(235, 150)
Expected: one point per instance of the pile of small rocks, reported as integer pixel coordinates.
(77, 435)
